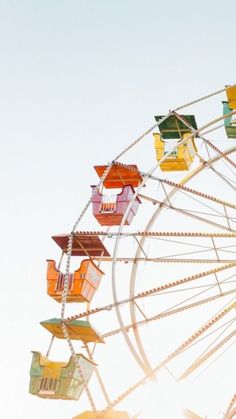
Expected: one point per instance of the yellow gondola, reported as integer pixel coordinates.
(181, 158)
(188, 414)
(231, 95)
(77, 330)
(98, 415)
(59, 380)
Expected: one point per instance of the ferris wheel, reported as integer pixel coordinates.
(153, 288)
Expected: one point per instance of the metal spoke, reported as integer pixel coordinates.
(155, 290)
(167, 313)
(207, 355)
(189, 214)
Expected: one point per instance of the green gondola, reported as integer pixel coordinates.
(230, 127)
(173, 127)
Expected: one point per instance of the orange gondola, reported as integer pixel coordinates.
(120, 175)
(82, 283)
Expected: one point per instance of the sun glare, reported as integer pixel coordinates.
(163, 399)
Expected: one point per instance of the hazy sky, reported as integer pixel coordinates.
(79, 80)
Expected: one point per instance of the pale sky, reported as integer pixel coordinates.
(79, 81)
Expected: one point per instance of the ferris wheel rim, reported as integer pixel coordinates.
(183, 181)
(140, 355)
